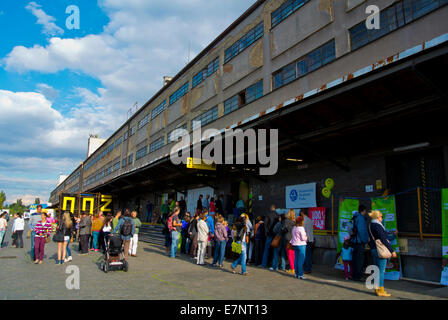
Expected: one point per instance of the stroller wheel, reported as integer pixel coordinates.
(102, 266)
(106, 267)
(125, 266)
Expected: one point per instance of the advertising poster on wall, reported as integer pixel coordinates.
(444, 278)
(301, 196)
(318, 216)
(387, 208)
(346, 209)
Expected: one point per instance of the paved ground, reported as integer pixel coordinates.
(152, 275)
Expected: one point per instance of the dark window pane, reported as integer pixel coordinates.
(314, 60)
(278, 80)
(289, 73)
(301, 68)
(328, 52)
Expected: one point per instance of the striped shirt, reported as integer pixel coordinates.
(42, 229)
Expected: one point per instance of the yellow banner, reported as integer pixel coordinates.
(199, 164)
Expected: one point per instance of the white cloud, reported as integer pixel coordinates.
(48, 91)
(50, 28)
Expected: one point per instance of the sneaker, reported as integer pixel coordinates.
(96, 250)
(69, 258)
(58, 261)
(272, 269)
(302, 277)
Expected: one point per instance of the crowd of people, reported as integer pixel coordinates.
(268, 241)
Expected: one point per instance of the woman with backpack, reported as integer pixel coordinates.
(193, 232)
(174, 226)
(126, 227)
(240, 238)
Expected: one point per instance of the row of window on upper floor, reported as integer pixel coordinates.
(103, 172)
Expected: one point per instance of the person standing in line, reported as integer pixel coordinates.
(289, 224)
(42, 230)
(359, 241)
(269, 222)
(259, 239)
(211, 227)
(101, 234)
(17, 229)
(220, 205)
(346, 255)
(220, 244)
(199, 203)
(84, 233)
(107, 229)
(66, 225)
(193, 232)
(240, 238)
(68, 256)
(97, 225)
(279, 251)
(203, 233)
(174, 225)
(308, 224)
(3, 226)
(212, 206)
(185, 244)
(250, 234)
(206, 203)
(164, 211)
(183, 207)
(116, 219)
(34, 219)
(378, 232)
(134, 240)
(126, 230)
(298, 241)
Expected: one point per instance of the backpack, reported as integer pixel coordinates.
(126, 228)
(170, 223)
(352, 229)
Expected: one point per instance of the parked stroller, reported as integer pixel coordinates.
(114, 256)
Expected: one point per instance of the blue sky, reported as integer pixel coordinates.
(58, 85)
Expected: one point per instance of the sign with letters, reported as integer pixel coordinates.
(89, 203)
(301, 196)
(318, 216)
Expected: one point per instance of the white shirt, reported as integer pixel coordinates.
(19, 224)
(3, 224)
(107, 228)
(202, 231)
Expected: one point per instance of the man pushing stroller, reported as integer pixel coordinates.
(126, 227)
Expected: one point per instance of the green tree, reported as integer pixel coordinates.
(17, 207)
(2, 199)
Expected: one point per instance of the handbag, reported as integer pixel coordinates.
(236, 247)
(58, 236)
(276, 241)
(289, 246)
(381, 249)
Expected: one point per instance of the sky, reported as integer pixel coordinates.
(58, 84)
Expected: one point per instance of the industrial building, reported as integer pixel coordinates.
(365, 107)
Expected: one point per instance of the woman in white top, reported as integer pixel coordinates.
(107, 229)
(298, 242)
(17, 229)
(3, 225)
(202, 238)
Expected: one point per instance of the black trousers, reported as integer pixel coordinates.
(358, 260)
(84, 242)
(101, 241)
(258, 251)
(19, 239)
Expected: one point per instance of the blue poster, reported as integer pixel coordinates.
(301, 196)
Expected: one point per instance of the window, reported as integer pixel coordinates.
(244, 97)
(207, 72)
(141, 152)
(118, 142)
(130, 159)
(116, 166)
(125, 136)
(391, 18)
(312, 61)
(179, 93)
(123, 163)
(285, 10)
(206, 117)
(143, 122)
(249, 38)
(132, 132)
(176, 133)
(158, 110)
(157, 144)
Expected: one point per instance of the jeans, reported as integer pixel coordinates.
(2, 234)
(95, 235)
(308, 258)
(381, 264)
(39, 248)
(168, 239)
(202, 245)
(347, 265)
(358, 260)
(299, 258)
(174, 243)
(264, 263)
(19, 240)
(187, 245)
(220, 250)
(241, 259)
(280, 250)
(69, 252)
(33, 235)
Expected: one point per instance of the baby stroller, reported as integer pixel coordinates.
(114, 256)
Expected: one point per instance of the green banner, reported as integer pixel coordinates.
(346, 208)
(387, 208)
(445, 223)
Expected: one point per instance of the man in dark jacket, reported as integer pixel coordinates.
(199, 203)
(359, 242)
(269, 222)
(219, 205)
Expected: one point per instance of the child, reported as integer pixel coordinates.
(346, 254)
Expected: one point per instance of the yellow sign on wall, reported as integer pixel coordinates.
(199, 164)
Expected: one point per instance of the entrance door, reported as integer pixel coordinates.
(193, 196)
